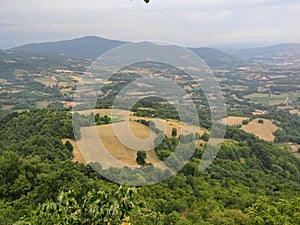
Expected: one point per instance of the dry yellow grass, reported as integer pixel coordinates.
(77, 78)
(278, 76)
(293, 147)
(168, 125)
(235, 120)
(119, 112)
(71, 104)
(65, 90)
(164, 125)
(124, 153)
(263, 131)
(295, 111)
(260, 112)
(62, 84)
(77, 157)
(102, 145)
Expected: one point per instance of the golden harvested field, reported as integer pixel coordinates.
(101, 143)
(260, 112)
(77, 78)
(164, 125)
(63, 84)
(263, 131)
(71, 104)
(278, 76)
(63, 90)
(294, 149)
(103, 112)
(295, 111)
(125, 153)
(235, 120)
(168, 125)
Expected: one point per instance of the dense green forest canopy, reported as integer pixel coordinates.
(250, 182)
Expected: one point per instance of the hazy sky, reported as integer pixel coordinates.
(187, 22)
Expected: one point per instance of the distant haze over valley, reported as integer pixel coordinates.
(91, 47)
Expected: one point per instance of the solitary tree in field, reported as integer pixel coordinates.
(141, 158)
(205, 137)
(261, 121)
(174, 132)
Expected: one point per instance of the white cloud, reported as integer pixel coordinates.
(188, 22)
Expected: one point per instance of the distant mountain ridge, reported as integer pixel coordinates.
(80, 48)
(214, 57)
(293, 48)
(92, 47)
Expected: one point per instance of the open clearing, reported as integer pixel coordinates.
(235, 120)
(42, 104)
(101, 143)
(164, 125)
(168, 125)
(295, 111)
(294, 149)
(264, 131)
(124, 153)
(270, 100)
(47, 81)
(103, 112)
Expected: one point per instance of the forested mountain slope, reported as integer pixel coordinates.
(93, 47)
(250, 182)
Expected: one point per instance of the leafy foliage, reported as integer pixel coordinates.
(96, 207)
(38, 132)
(141, 157)
(268, 211)
(250, 182)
